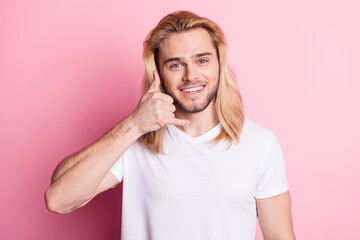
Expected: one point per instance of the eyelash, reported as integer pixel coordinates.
(204, 60)
(173, 66)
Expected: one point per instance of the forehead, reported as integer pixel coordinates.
(186, 44)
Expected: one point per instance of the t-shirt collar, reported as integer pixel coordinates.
(205, 137)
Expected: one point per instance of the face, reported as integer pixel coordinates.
(189, 69)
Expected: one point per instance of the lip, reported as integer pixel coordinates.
(193, 86)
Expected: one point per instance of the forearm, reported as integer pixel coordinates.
(81, 176)
(77, 177)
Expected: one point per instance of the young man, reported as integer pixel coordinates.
(192, 166)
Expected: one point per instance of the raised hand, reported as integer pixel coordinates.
(155, 109)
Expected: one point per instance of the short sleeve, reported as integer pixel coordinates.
(272, 172)
(118, 168)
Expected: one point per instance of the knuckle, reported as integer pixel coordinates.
(158, 112)
(151, 95)
(160, 121)
(158, 103)
(156, 94)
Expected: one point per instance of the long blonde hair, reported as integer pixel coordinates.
(228, 104)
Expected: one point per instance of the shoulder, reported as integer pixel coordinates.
(137, 149)
(253, 129)
(256, 136)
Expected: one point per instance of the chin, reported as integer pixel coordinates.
(193, 108)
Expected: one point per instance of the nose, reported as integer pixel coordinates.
(190, 73)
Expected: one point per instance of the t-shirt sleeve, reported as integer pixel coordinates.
(118, 168)
(272, 172)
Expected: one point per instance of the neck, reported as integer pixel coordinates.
(200, 122)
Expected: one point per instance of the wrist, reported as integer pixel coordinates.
(127, 127)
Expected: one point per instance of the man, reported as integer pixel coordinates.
(192, 166)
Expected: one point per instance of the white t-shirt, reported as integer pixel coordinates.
(198, 191)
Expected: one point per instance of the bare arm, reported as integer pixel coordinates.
(275, 217)
(83, 175)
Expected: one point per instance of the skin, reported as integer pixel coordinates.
(182, 69)
(193, 63)
(275, 218)
(84, 174)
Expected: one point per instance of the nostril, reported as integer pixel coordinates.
(190, 77)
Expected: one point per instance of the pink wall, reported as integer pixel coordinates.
(70, 70)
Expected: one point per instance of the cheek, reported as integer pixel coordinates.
(211, 73)
(168, 85)
(211, 70)
(171, 79)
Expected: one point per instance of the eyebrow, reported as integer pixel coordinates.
(194, 56)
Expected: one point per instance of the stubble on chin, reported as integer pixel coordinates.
(194, 107)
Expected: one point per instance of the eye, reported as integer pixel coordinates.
(175, 65)
(203, 60)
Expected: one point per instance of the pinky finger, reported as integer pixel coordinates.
(178, 122)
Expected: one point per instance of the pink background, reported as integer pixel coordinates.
(70, 70)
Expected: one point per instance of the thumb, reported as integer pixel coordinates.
(155, 85)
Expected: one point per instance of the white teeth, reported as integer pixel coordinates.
(192, 90)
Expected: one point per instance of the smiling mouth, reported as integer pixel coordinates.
(192, 89)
